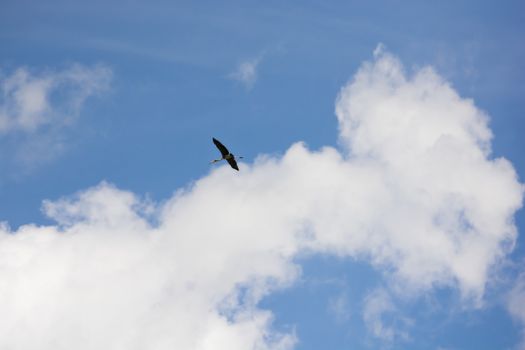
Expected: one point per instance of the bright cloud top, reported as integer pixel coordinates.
(415, 194)
(29, 101)
(447, 207)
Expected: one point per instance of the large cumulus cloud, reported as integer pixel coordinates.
(414, 191)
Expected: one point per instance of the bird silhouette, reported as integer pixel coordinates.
(225, 155)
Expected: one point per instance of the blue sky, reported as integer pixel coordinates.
(103, 102)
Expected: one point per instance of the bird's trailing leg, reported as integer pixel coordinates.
(215, 161)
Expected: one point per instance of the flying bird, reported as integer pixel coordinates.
(226, 155)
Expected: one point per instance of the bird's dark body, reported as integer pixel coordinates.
(233, 163)
(226, 155)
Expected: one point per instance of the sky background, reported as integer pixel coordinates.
(101, 100)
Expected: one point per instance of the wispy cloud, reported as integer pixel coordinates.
(378, 306)
(246, 73)
(414, 192)
(339, 307)
(36, 106)
(516, 304)
(30, 101)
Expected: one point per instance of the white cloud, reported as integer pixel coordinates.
(36, 107)
(105, 278)
(377, 305)
(516, 304)
(246, 73)
(416, 195)
(30, 101)
(444, 211)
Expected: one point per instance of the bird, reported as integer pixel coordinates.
(225, 154)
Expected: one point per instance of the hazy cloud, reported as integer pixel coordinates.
(31, 100)
(377, 305)
(246, 73)
(339, 307)
(36, 106)
(516, 304)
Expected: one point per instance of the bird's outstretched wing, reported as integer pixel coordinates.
(233, 163)
(220, 146)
